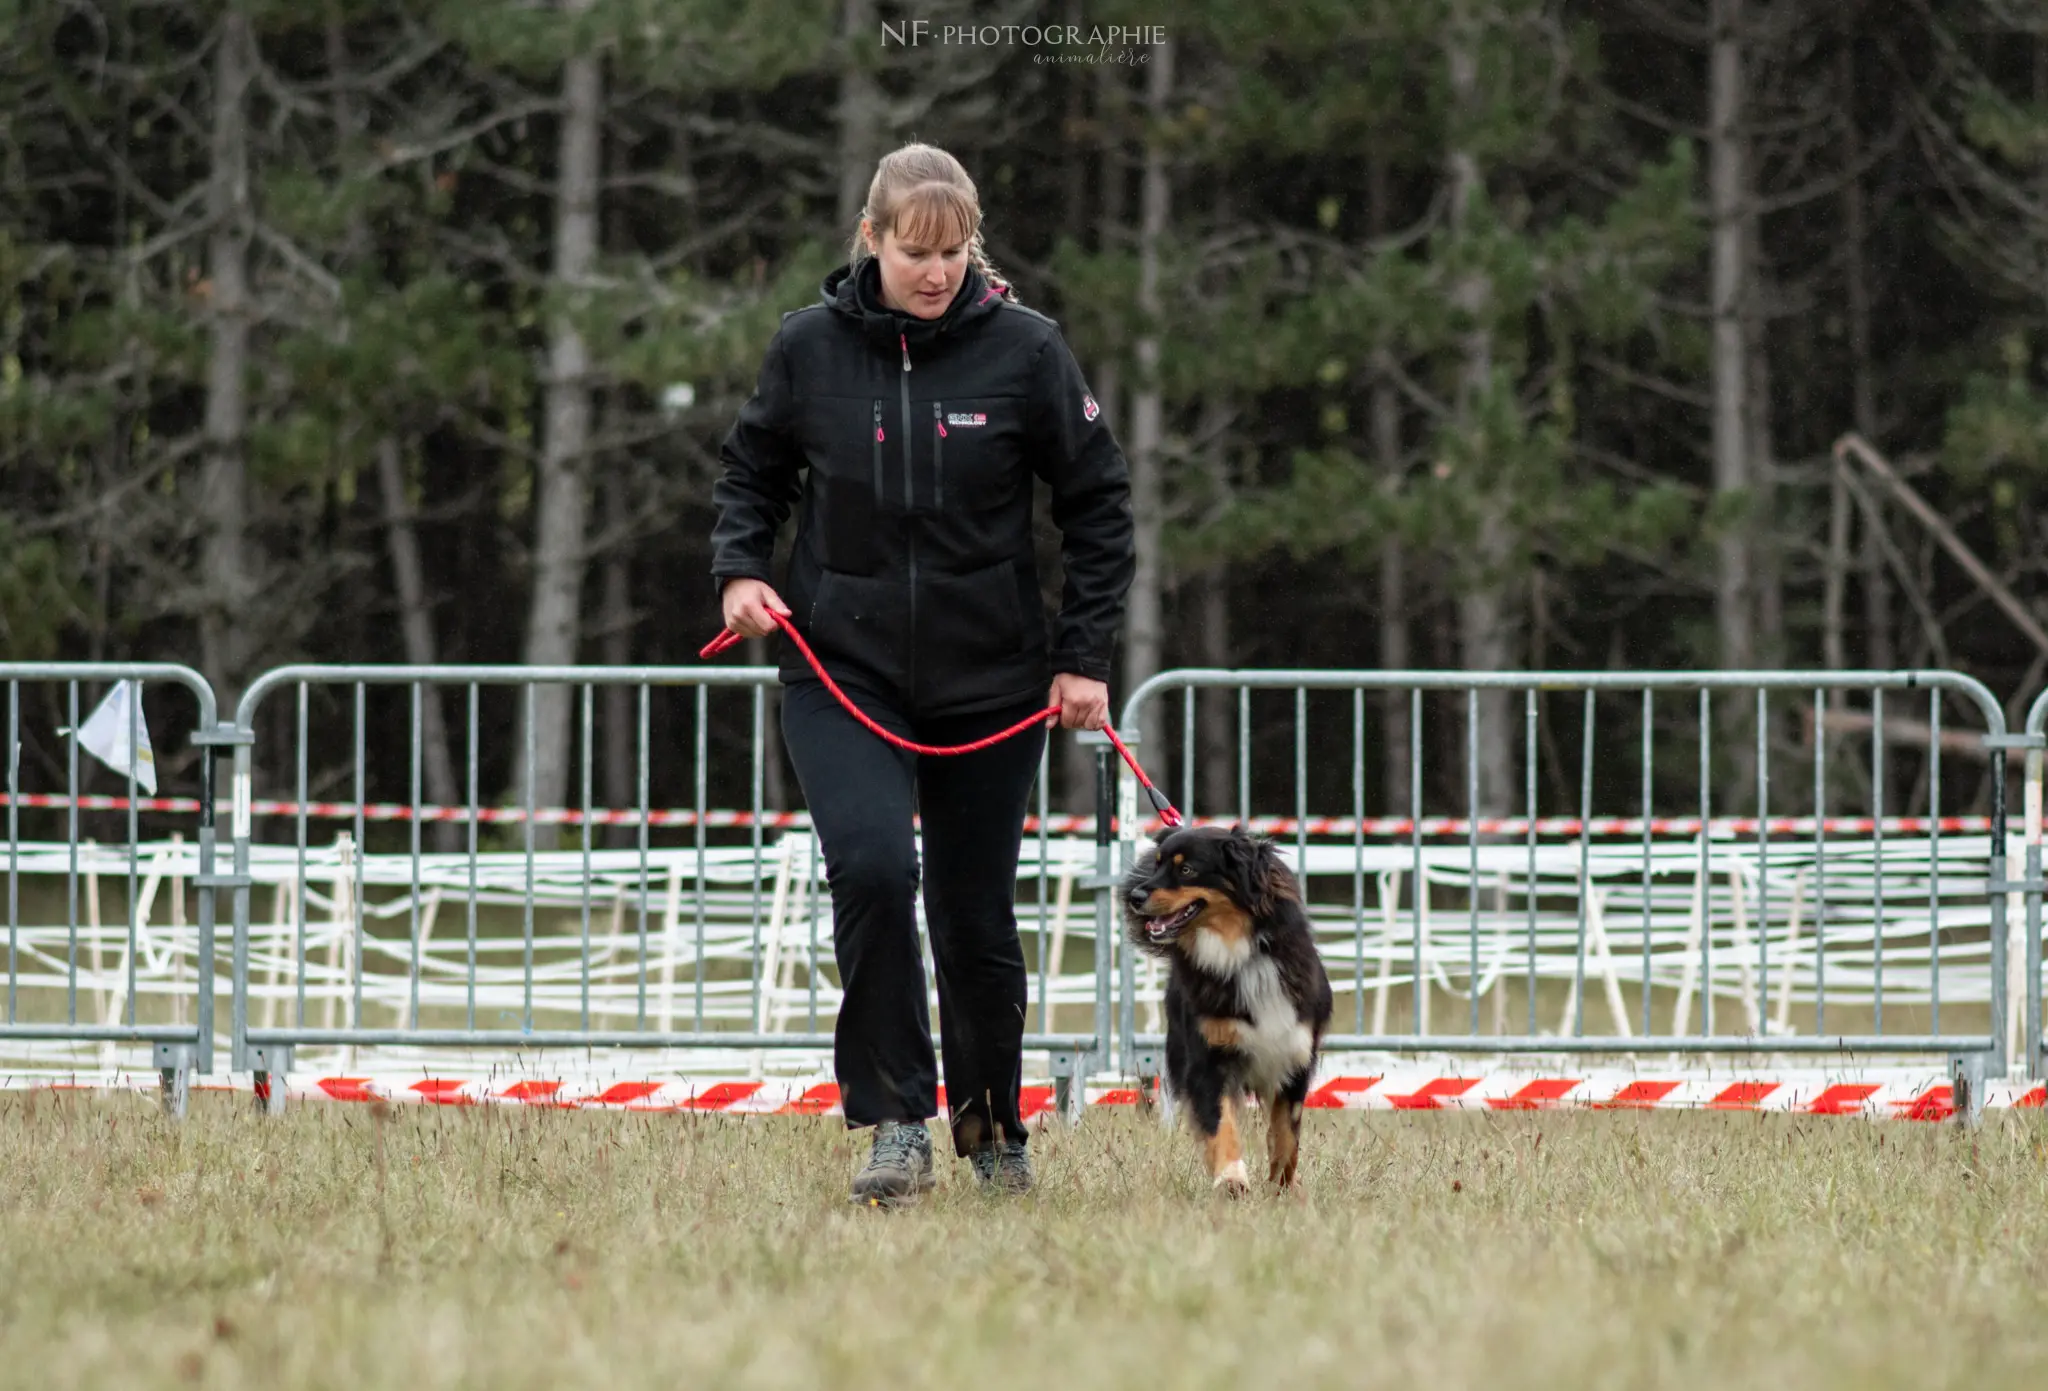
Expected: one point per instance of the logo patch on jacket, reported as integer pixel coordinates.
(1088, 407)
(966, 418)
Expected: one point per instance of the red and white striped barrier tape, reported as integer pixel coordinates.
(1916, 1096)
(1065, 824)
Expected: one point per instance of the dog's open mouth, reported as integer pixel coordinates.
(1161, 928)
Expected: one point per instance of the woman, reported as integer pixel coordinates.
(907, 413)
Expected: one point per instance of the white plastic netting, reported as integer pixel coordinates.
(1852, 936)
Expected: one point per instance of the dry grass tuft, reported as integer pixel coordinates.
(506, 1249)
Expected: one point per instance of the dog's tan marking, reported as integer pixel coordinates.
(1220, 942)
(1283, 1138)
(1164, 902)
(1219, 1033)
(1225, 1152)
(1225, 921)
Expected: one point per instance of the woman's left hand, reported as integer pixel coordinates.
(1084, 704)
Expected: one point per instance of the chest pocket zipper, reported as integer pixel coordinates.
(878, 449)
(939, 457)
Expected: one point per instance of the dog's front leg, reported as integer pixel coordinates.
(1213, 1111)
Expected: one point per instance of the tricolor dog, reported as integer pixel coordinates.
(1247, 998)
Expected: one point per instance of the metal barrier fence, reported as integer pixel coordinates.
(43, 959)
(1846, 908)
(709, 978)
(2034, 740)
(1906, 950)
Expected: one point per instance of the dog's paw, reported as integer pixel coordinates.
(1233, 1182)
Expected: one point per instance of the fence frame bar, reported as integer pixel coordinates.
(1590, 683)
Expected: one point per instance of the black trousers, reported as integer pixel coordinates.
(862, 794)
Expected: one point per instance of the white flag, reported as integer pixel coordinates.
(105, 732)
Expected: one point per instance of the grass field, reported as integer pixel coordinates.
(506, 1249)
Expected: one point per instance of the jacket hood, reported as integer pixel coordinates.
(856, 291)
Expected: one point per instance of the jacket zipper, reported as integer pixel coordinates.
(909, 492)
(939, 458)
(909, 520)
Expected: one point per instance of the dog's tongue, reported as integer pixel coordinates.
(1167, 922)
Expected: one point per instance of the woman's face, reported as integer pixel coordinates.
(917, 280)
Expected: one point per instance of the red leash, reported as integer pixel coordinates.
(728, 637)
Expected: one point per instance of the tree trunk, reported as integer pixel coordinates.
(1489, 627)
(1144, 651)
(227, 581)
(1074, 168)
(1487, 613)
(620, 704)
(1728, 180)
(1835, 582)
(1762, 458)
(861, 119)
(1214, 753)
(1215, 711)
(1729, 201)
(416, 624)
(1394, 654)
(561, 498)
(1856, 286)
(121, 435)
(1077, 762)
(1111, 99)
(1877, 598)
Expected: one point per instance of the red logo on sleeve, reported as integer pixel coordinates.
(1088, 407)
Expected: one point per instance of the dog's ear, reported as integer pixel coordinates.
(1281, 882)
(1248, 865)
(1259, 878)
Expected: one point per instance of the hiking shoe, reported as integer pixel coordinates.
(1004, 1167)
(898, 1168)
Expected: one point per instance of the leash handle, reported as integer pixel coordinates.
(727, 638)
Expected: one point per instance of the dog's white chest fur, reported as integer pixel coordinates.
(1275, 1043)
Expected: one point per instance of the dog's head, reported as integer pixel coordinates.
(1223, 883)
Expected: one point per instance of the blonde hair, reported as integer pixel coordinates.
(925, 194)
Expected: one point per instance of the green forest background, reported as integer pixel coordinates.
(1440, 333)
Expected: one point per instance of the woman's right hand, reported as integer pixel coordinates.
(748, 604)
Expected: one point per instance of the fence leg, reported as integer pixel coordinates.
(1150, 1067)
(1069, 1092)
(270, 1062)
(1107, 938)
(174, 1073)
(2031, 1011)
(1966, 1074)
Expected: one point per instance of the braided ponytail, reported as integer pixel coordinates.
(978, 253)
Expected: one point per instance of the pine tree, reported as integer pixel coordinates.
(1480, 313)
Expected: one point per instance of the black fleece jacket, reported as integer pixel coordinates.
(910, 444)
